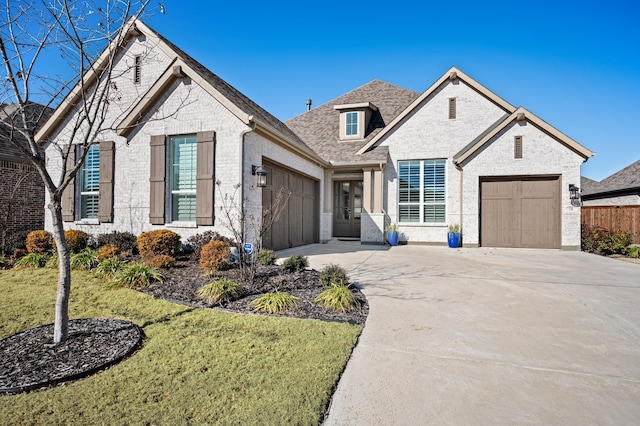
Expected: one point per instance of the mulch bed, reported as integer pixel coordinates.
(30, 360)
(182, 281)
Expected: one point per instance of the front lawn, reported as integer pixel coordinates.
(196, 366)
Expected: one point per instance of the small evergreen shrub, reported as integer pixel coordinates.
(86, 260)
(32, 260)
(634, 252)
(4, 262)
(337, 298)
(39, 242)
(214, 255)
(161, 241)
(125, 241)
(196, 242)
(160, 261)
(333, 275)
(222, 290)
(109, 267)
(266, 257)
(295, 263)
(108, 251)
(275, 302)
(136, 276)
(76, 240)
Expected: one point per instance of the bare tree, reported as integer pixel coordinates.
(85, 37)
(248, 227)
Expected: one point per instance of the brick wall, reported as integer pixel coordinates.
(26, 210)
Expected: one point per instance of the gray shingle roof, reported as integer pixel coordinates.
(627, 178)
(236, 97)
(320, 127)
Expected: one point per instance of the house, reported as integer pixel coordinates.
(21, 188)
(456, 153)
(620, 189)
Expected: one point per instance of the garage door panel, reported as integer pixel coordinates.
(520, 212)
(298, 223)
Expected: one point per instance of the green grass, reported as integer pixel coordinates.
(197, 366)
(275, 302)
(338, 298)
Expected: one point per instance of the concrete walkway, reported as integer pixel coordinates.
(489, 336)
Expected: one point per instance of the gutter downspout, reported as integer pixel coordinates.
(252, 126)
(461, 200)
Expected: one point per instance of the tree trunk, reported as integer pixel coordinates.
(61, 324)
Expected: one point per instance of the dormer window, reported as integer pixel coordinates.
(351, 126)
(354, 119)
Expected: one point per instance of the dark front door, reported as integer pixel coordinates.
(347, 208)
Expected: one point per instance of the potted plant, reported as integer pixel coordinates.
(453, 236)
(392, 234)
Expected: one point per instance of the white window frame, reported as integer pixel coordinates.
(353, 126)
(83, 195)
(170, 178)
(423, 201)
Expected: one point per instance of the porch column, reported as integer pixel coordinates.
(367, 190)
(377, 191)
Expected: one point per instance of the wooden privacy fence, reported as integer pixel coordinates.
(614, 218)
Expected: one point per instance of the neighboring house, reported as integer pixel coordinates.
(620, 189)
(21, 188)
(456, 153)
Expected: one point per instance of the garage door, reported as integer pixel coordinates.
(299, 222)
(520, 212)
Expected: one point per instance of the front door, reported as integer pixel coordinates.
(347, 208)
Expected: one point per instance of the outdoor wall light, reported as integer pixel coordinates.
(261, 175)
(574, 195)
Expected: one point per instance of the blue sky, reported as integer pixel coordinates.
(574, 64)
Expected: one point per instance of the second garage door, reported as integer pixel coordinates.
(520, 212)
(299, 221)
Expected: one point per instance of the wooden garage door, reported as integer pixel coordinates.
(520, 212)
(299, 222)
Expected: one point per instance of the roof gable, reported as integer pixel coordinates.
(182, 66)
(519, 114)
(319, 127)
(451, 75)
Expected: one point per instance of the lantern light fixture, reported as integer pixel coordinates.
(261, 175)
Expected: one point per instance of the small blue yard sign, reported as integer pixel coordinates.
(248, 248)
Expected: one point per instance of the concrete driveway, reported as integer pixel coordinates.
(489, 336)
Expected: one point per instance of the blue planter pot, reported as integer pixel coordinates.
(392, 238)
(453, 239)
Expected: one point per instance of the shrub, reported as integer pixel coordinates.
(137, 276)
(295, 263)
(214, 255)
(266, 257)
(196, 242)
(39, 242)
(108, 251)
(222, 290)
(274, 302)
(125, 241)
(16, 241)
(161, 241)
(333, 274)
(32, 260)
(86, 260)
(605, 242)
(18, 254)
(160, 261)
(108, 268)
(4, 262)
(76, 240)
(634, 252)
(337, 298)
